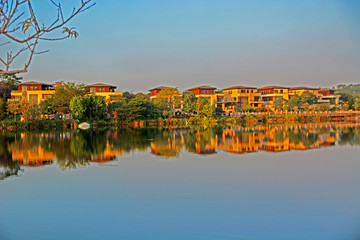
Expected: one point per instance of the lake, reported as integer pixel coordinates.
(257, 182)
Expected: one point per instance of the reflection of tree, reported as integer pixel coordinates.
(8, 166)
(128, 139)
(349, 136)
(74, 150)
(306, 138)
(167, 143)
(201, 140)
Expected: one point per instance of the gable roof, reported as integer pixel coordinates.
(270, 87)
(101, 85)
(34, 83)
(203, 87)
(305, 88)
(239, 87)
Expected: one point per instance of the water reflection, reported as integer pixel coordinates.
(80, 148)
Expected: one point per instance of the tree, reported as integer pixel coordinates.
(139, 108)
(90, 106)
(10, 80)
(295, 102)
(348, 98)
(309, 98)
(3, 108)
(14, 108)
(78, 107)
(280, 103)
(5, 92)
(189, 102)
(345, 106)
(167, 100)
(65, 92)
(357, 104)
(204, 108)
(46, 106)
(23, 29)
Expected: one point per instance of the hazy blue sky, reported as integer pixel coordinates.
(140, 44)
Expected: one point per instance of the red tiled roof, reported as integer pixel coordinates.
(34, 83)
(239, 87)
(306, 88)
(270, 87)
(101, 85)
(202, 87)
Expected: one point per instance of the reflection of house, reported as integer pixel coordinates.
(241, 142)
(275, 140)
(108, 155)
(241, 96)
(33, 157)
(106, 91)
(34, 92)
(270, 94)
(168, 146)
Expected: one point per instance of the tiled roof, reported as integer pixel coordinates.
(101, 85)
(34, 83)
(203, 87)
(305, 88)
(270, 87)
(239, 87)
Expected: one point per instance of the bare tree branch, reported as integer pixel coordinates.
(28, 31)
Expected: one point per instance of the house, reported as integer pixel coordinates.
(241, 96)
(105, 90)
(34, 92)
(207, 92)
(270, 94)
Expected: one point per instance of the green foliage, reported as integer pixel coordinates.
(90, 106)
(189, 102)
(3, 108)
(5, 91)
(46, 106)
(167, 100)
(348, 98)
(78, 107)
(324, 107)
(279, 103)
(65, 92)
(295, 102)
(204, 108)
(138, 108)
(309, 98)
(345, 106)
(357, 104)
(10, 80)
(351, 88)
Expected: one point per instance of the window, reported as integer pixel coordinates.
(103, 89)
(31, 88)
(247, 91)
(242, 91)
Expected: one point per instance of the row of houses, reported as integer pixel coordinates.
(226, 99)
(243, 96)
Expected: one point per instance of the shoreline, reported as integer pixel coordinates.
(242, 119)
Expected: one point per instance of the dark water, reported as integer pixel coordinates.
(264, 182)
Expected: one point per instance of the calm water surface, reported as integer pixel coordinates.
(263, 182)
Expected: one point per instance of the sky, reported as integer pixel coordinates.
(140, 44)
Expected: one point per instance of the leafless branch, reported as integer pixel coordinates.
(29, 31)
